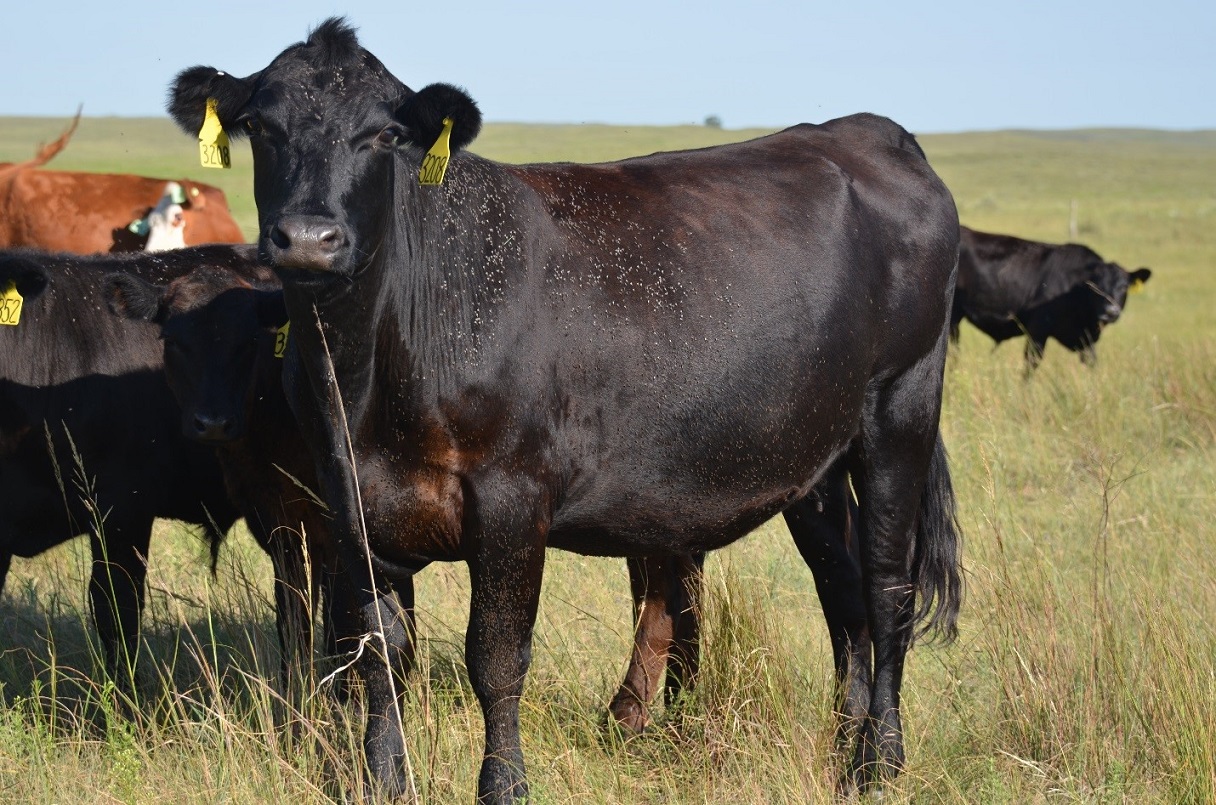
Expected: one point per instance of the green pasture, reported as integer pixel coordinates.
(1084, 671)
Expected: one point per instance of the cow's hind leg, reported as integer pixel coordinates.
(666, 593)
(898, 434)
(685, 660)
(824, 527)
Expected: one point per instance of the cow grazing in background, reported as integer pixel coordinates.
(643, 358)
(84, 213)
(90, 435)
(222, 327)
(1010, 287)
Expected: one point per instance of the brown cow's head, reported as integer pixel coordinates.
(331, 130)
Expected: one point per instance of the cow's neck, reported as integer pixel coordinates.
(418, 315)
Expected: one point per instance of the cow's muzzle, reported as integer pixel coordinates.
(212, 428)
(304, 241)
(1110, 313)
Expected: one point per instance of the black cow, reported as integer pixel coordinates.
(90, 440)
(219, 326)
(643, 358)
(1009, 287)
(222, 329)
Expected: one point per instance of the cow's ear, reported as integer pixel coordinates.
(1141, 275)
(193, 87)
(28, 276)
(423, 114)
(271, 309)
(130, 297)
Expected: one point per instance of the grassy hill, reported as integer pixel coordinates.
(1088, 497)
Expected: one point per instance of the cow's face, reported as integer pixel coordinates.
(216, 328)
(1110, 284)
(1089, 307)
(328, 125)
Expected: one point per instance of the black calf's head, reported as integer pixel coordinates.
(1097, 302)
(217, 330)
(329, 126)
(1110, 284)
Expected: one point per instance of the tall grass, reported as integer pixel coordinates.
(1084, 668)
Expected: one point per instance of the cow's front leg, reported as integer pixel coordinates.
(116, 592)
(505, 567)
(380, 640)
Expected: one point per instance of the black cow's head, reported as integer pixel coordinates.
(1110, 284)
(1095, 303)
(329, 126)
(216, 327)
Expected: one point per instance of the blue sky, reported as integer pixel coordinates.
(934, 67)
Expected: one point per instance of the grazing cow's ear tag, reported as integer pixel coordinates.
(1136, 287)
(10, 305)
(435, 163)
(280, 340)
(213, 149)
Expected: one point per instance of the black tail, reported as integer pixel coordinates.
(937, 558)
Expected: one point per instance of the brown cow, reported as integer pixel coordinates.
(78, 212)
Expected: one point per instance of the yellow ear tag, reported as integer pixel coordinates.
(10, 305)
(280, 340)
(435, 163)
(1136, 287)
(213, 149)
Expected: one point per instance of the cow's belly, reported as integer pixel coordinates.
(678, 512)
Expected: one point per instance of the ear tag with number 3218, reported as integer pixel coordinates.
(435, 163)
(213, 150)
(10, 305)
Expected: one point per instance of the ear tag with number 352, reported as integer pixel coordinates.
(10, 305)
(435, 163)
(280, 339)
(213, 150)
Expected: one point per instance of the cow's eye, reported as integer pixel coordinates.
(252, 126)
(391, 137)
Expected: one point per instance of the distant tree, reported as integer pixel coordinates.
(713, 122)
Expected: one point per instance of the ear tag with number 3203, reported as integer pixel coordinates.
(213, 149)
(280, 340)
(10, 305)
(435, 163)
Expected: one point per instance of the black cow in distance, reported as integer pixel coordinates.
(1010, 287)
(642, 358)
(90, 440)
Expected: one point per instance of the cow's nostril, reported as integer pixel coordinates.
(280, 238)
(331, 239)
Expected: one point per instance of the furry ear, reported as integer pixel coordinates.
(29, 276)
(423, 112)
(271, 309)
(188, 96)
(1141, 275)
(130, 297)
